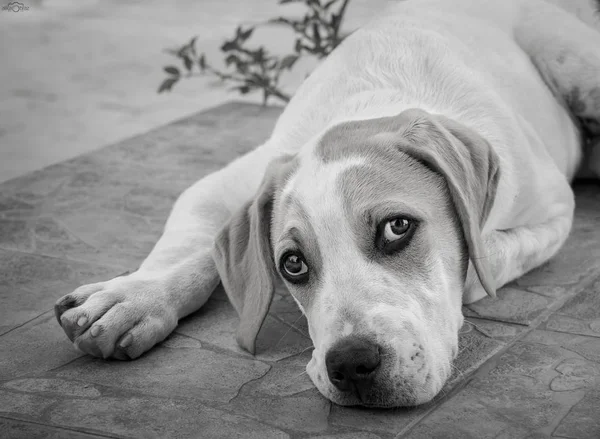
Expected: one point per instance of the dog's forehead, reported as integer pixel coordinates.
(353, 138)
(343, 146)
(385, 169)
(311, 198)
(354, 162)
(315, 181)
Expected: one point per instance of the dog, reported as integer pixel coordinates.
(424, 164)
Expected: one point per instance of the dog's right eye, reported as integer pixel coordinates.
(293, 267)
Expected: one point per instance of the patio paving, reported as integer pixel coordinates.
(529, 365)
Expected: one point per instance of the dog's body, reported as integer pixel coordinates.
(426, 162)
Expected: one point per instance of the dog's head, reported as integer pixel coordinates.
(372, 230)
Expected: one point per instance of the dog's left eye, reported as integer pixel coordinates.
(294, 268)
(394, 234)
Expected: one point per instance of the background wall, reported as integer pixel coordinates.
(76, 75)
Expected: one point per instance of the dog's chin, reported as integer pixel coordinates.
(390, 396)
(381, 401)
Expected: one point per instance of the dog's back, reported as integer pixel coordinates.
(587, 11)
(438, 65)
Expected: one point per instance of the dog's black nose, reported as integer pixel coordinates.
(352, 362)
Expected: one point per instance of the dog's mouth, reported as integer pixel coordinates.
(388, 388)
(377, 398)
(387, 399)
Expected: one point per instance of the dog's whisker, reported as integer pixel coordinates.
(306, 349)
(291, 326)
(476, 327)
(486, 256)
(457, 370)
(284, 336)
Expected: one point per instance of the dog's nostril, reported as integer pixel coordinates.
(365, 370)
(352, 361)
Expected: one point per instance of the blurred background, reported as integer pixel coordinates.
(76, 75)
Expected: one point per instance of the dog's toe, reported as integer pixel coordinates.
(65, 306)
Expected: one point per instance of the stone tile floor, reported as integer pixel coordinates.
(529, 365)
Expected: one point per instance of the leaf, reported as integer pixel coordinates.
(242, 67)
(192, 45)
(182, 51)
(174, 52)
(254, 78)
(257, 80)
(243, 36)
(280, 20)
(288, 62)
(258, 55)
(243, 89)
(172, 70)
(329, 4)
(202, 62)
(187, 61)
(168, 84)
(233, 58)
(228, 46)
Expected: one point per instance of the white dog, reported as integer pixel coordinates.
(425, 163)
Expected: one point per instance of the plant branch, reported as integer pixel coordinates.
(338, 25)
(318, 33)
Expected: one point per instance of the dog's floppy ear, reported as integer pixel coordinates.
(471, 169)
(243, 255)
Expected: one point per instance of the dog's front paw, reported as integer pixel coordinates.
(121, 318)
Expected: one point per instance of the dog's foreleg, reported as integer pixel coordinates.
(126, 316)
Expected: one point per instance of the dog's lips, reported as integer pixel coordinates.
(384, 394)
(370, 400)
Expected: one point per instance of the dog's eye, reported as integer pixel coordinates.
(396, 229)
(394, 234)
(294, 268)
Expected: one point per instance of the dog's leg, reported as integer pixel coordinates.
(566, 52)
(126, 316)
(512, 253)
